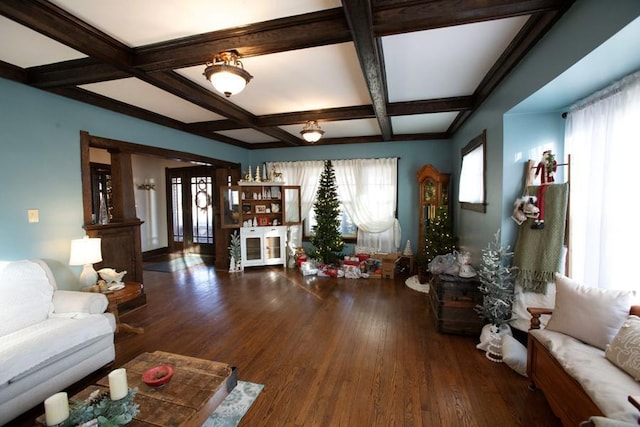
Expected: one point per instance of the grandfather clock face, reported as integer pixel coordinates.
(429, 190)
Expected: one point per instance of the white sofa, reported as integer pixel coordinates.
(49, 338)
(587, 358)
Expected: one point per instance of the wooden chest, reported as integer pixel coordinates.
(453, 300)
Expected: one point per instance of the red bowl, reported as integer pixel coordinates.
(158, 375)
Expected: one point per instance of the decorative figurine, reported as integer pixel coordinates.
(547, 166)
(258, 174)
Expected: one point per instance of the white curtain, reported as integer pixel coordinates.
(368, 191)
(603, 137)
(306, 174)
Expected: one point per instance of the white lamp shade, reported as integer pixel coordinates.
(85, 251)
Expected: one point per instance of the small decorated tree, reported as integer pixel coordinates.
(327, 240)
(438, 236)
(496, 283)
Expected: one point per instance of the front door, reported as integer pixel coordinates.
(191, 209)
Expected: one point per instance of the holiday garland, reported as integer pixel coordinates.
(101, 410)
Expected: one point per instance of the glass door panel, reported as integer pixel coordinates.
(272, 247)
(253, 247)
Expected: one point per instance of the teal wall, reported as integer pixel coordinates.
(40, 165)
(585, 26)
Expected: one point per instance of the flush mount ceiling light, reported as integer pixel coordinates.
(312, 131)
(227, 74)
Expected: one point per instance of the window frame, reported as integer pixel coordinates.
(307, 232)
(478, 141)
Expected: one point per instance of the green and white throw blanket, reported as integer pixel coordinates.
(537, 252)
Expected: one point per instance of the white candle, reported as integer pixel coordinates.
(56, 408)
(118, 387)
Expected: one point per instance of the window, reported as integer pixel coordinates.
(472, 193)
(348, 228)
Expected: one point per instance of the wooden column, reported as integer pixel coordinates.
(124, 206)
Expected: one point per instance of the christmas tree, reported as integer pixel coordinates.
(327, 239)
(438, 236)
(496, 283)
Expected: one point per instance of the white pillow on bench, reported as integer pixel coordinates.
(592, 315)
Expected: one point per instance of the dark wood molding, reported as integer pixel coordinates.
(360, 19)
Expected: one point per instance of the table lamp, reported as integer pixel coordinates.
(85, 252)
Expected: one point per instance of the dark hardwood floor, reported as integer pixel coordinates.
(330, 352)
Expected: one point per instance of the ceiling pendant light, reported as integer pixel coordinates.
(311, 131)
(227, 74)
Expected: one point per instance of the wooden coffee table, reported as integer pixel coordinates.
(197, 388)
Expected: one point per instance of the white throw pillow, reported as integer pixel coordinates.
(514, 354)
(592, 315)
(25, 296)
(624, 350)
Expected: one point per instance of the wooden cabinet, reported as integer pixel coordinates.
(263, 245)
(434, 193)
(453, 300)
(259, 205)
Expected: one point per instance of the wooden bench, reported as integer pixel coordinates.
(565, 395)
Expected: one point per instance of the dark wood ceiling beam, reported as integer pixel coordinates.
(326, 114)
(97, 100)
(394, 17)
(73, 73)
(429, 106)
(12, 72)
(181, 86)
(360, 19)
(279, 35)
(56, 23)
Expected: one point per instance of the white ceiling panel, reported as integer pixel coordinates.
(142, 22)
(422, 123)
(342, 128)
(445, 62)
(140, 94)
(35, 49)
(301, 80)
(247, 135)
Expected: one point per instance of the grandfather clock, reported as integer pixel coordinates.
(434, 193)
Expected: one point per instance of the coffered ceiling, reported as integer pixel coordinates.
(366, 70)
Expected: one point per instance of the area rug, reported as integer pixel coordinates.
(175, 264)
(235, 406)
(414, 283)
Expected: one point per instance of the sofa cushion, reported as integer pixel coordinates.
(624, 350)
(38, 345)
(26, 296)
(606, 385)
(592, 315)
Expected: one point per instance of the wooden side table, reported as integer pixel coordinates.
(130, 292)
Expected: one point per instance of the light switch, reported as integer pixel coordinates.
(33, 215)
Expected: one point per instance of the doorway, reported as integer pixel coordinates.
(190, 197)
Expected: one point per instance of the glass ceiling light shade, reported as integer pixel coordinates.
(227, 74)
(86, 252)
(312, 131)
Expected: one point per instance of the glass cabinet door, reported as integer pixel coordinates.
(230, 207)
